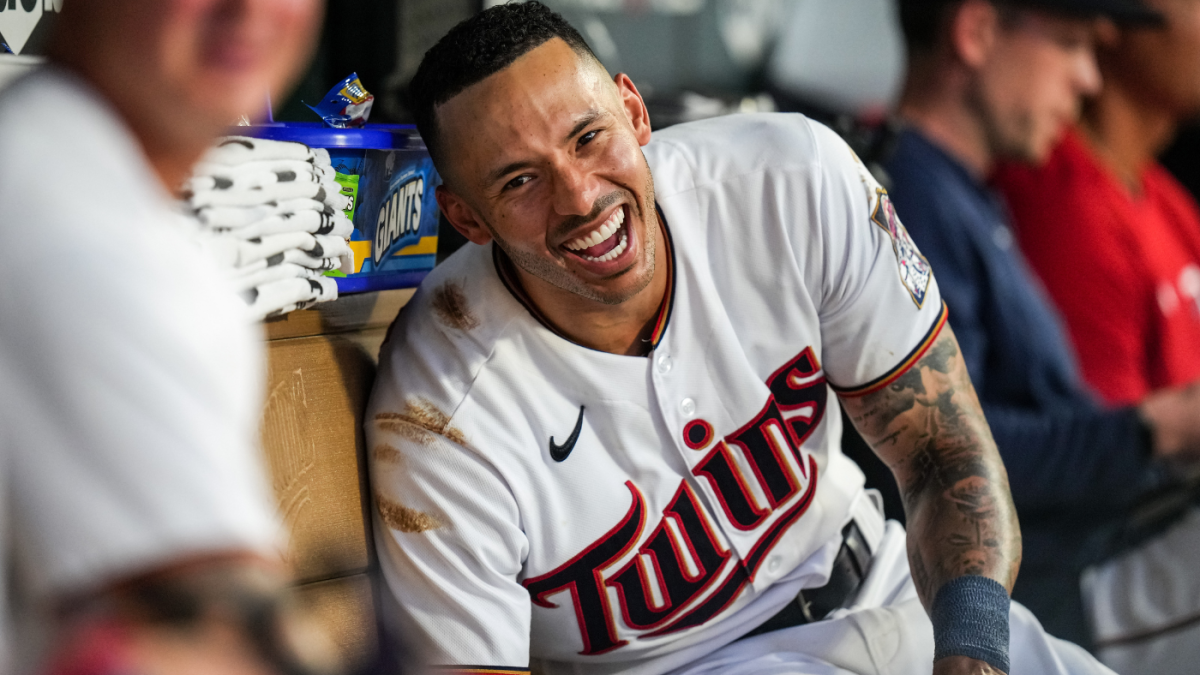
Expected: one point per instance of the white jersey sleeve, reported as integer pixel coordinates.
(880, 306)
(454, 546)
(132, 373)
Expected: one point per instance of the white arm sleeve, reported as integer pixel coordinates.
(451, 548)
(131, 399)
(880, 305)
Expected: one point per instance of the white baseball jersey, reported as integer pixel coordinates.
(597, 513)
(132, 374)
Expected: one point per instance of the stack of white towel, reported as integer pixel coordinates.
(274, 215)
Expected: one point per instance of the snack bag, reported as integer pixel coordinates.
(347, 105)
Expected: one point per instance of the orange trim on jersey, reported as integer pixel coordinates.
(480, 669)
(664, 310)
(903, 367)
(508, 276)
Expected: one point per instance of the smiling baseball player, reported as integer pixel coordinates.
(605, 437)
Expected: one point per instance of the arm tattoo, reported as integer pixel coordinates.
(928, 427)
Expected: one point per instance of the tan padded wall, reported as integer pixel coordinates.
(312, 431)
(320, 366)
(344, 609)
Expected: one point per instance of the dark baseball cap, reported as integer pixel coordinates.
(1121, 11)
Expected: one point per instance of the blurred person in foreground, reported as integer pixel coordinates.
(1116, 240)
(1113, 236)
(140, 533)
(991, 81)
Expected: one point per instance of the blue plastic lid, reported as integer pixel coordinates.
(317, 135)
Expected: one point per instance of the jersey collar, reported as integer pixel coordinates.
(508, 275)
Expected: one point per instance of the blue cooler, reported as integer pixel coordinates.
(388, 175)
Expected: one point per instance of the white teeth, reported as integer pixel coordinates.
(611, 255)
(600, 234)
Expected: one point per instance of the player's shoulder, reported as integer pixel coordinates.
(446, 334)
(51, 119)
(694, 154)
(80, 192)
(73, 167)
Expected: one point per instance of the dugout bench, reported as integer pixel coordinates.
(321, 364)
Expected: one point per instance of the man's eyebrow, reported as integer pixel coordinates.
(588, 118)
(503, 171)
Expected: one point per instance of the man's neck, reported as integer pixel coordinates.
(1127, 132)
(171, 146)
(617, 329)
(171, 159)
(935, 101)
(955, 129)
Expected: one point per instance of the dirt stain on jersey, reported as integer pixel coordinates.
(450, 304)
(400, 517)
(388, 454)
(419, 422)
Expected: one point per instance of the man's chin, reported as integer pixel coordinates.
(615, 289)
(1034, 153)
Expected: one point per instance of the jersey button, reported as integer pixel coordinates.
(688, 407)
(663, 364)
(772, 564)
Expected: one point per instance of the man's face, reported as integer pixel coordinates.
(204, 62)
(545, 158)
(1162, 65)
(1029, 88)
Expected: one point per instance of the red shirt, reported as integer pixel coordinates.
(1124, 270)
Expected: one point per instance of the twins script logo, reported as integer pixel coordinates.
(18, 18)
(915, 272)
(683, 572)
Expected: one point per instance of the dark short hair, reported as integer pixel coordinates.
(478, 47)
(924, 22)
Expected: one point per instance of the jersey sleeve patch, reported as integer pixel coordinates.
(903, 367)
(915, 271)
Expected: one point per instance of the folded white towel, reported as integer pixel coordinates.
(240, 149)
(278, 192)
(246, 281)
(302, 248)
(234, 253)
(273, 216)
(280, 297)
(301, 221)
(251, 181)
(228, 217)
(233, 171)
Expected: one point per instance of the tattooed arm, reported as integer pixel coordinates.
(927, 426)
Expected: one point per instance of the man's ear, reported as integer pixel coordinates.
(635, 107)
(462, 216)
(973, 32)
(1108, 36)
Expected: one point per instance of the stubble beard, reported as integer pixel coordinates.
(558, 277)
(1014, 141)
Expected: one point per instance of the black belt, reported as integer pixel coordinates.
(814, 604)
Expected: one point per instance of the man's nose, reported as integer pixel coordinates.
(575, 191)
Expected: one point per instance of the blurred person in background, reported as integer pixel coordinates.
(990, 81)
(140, 532)
(1116, 239)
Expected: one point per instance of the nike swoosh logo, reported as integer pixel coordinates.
(559, 452)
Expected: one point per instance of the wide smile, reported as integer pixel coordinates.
(604, 243)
